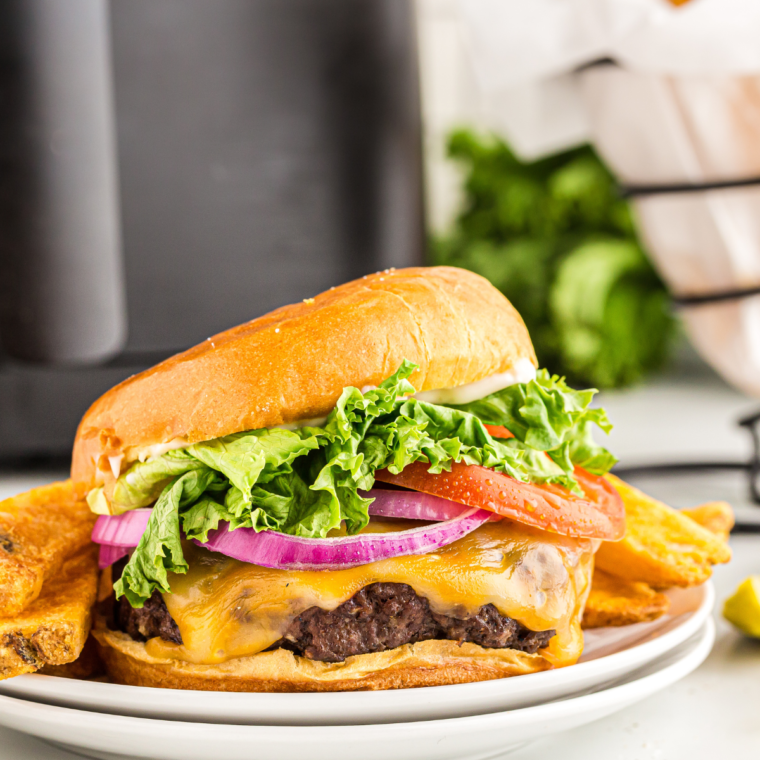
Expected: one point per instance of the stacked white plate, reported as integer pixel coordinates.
(476, 721)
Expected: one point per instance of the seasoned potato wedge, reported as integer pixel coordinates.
(716, 516)
(87, 665)
(661, 547)
(53, 629)
(39, 530)
(615, 602)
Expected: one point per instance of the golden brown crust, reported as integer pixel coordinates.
(39, 529)
(54, 628)
(716, 516)
(427, 663)
(87, 665)
(662, 547)
(615, 602)
(292, 364)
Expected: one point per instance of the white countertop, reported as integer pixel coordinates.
(714, 712)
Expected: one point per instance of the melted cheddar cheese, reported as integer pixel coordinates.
(226, 609)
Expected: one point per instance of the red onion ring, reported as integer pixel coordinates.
(282, 551)
(117, 534)
(110, 553)
(125, 529)
(412, 505)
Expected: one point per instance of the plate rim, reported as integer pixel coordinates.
(618, 696)
(377, 707)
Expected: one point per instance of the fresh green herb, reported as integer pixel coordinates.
(555, 237)
(307, 482)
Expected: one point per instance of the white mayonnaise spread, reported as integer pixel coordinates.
(159, 449)
(522, 372)
(115, 463)
(313, 422)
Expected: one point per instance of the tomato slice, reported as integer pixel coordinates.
(497, 431)
(599, 515)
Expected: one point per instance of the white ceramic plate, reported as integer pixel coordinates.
(108, 737)
(610, 653)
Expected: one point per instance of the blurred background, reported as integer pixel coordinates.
(169, 168)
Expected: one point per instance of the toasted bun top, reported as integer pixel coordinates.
(293, 363)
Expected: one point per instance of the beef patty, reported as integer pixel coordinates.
(151, 620)
(378, 617)
(386, 615)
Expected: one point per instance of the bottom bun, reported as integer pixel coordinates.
(427, 663)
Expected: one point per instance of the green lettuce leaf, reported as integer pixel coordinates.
(160, 549)
(203, 517)
(144, 481)
(257, 456)
(307, 482)
(547, 415)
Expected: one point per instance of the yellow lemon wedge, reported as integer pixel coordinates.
(743, 608)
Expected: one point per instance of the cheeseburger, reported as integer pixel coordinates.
(375, 488)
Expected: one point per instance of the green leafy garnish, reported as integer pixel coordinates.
(307, 482)
(557, 239)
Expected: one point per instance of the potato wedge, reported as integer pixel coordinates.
(39, 530)
(615, 602)
(54, 628)
(87, 665)
(661, 547)
(716, 516)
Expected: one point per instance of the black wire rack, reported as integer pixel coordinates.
(630, 191)
(751, 468)
(694, 300)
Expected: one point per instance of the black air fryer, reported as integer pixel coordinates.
(170, 168)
